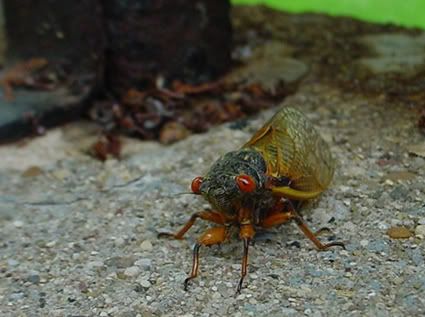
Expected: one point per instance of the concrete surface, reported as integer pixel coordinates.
(78, 237)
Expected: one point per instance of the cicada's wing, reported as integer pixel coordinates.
(294, 149)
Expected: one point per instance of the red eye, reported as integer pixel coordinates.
(196, 185)
(245, 183)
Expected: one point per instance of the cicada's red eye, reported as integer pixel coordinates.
(196, 185)
(245, 183)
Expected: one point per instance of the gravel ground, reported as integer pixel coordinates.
(79, 237)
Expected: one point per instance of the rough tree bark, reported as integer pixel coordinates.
(148, 40)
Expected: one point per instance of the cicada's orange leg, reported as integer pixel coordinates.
(277, 218)
(212, 216)
(246, 233)
(215, 235)
(311, 235)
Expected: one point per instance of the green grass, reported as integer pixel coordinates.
(409, 13)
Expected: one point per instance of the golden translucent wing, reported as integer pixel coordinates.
(293, 148)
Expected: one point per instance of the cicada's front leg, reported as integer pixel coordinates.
(211, 216)
(246, 233)
(215, 235)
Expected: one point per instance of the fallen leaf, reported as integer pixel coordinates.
(172, 132)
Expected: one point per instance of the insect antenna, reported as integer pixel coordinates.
(184, 193)
(180, 194)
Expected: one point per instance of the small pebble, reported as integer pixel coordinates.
(420, 230)
(132, 271)
(16, 296)
(216, 295)
(18, 223)
(50, 244)
(95, 264)
(241, 296)
(146, 245)
(32, 171)
(61, 174)
(33, 278)
(399, 233)
(145, 283)
(364, 243)
(400, 176)
(12, 262)
(120, 262)
(145, 264)
(119, 242)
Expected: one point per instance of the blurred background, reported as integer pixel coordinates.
(164, 70)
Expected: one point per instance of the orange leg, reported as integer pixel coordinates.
(215, 235)
(246, 233)
(310, 234)
(212, 216)
(276, 219)
(278, 215)
(279, 218)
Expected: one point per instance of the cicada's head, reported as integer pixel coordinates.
(235, 180)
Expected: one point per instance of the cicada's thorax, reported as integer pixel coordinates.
(220, 189)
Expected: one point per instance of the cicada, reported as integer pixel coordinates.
(263, 184)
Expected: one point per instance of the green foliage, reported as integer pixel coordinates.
(409, 13)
